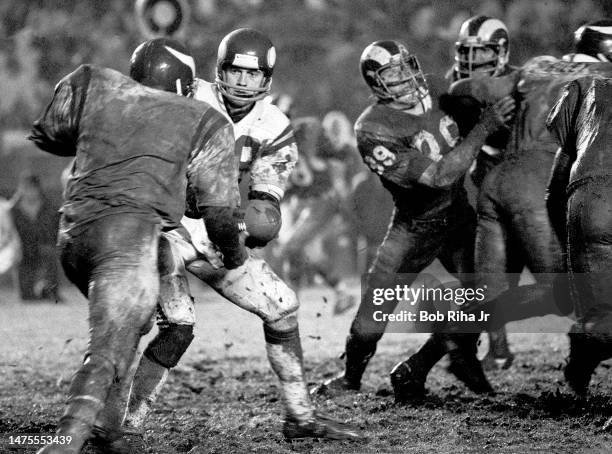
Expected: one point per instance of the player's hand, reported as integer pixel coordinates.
(499, 114)
(253, 243)
(210, 253)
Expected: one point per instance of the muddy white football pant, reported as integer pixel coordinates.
(254, 287)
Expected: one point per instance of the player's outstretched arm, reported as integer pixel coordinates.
(453, 165)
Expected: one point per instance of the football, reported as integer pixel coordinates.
(262, 220)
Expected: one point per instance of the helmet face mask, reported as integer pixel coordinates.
(241, 93)
(247, 50)
(163, 64)
(393, 74)
(478, 59)
(482, 48)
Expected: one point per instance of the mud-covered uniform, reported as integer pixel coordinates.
(491, 152)
(266, 148)
(513, 225)
(421, 160)
(582, 176)
(267, 153)
(137, 151)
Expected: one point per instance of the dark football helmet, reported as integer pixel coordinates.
(595, 39)
(487, 35)
(381, 56)
(249, 49)
(164, 64)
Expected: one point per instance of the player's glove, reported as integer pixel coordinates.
(498, 115)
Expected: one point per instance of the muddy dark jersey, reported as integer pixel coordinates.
(311, 176)
(399, 146)
(137, 149)
(499, 139)
(580, 121)
(540, 83)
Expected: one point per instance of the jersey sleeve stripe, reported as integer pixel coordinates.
(212, 121)
(286, 138)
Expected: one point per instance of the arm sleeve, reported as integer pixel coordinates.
(556, 198)
(57, 130)
(453, 165)
(271, 169)
(223, 231)
(212, 172)
(561, 124)
(212, 176)
(391, 159)
(562, 117)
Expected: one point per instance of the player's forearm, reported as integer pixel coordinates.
(556, 195)
(445, 172)
(224, 233)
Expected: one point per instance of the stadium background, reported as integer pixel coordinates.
(318, 42)
(222, 398)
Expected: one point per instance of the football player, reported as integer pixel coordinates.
(507, 210)
(421, 159)
(266, 148)
(137, 150)
(579, 198)
(483, 50)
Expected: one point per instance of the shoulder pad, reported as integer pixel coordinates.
(274, 115)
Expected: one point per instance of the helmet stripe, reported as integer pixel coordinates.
(606, 30)
(379, 54)
(184, 58)
(474, 25)
(490, 26)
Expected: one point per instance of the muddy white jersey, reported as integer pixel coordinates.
(265, 142)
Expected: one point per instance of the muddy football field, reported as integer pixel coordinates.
(223, 397)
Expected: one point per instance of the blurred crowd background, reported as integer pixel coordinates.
(318, 43)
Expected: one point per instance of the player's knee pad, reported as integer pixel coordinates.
(170, 344)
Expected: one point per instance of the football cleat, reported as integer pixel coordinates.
(320, 426)
(586, 352)
(408, 381)
(335, 386)
(127, 442)
(465, 366)
(492, 361)
(499, 355)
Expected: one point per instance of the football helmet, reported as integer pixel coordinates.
(393, 73)
(482, 47)
(249, 49)
(595, 39)
(164, 64)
